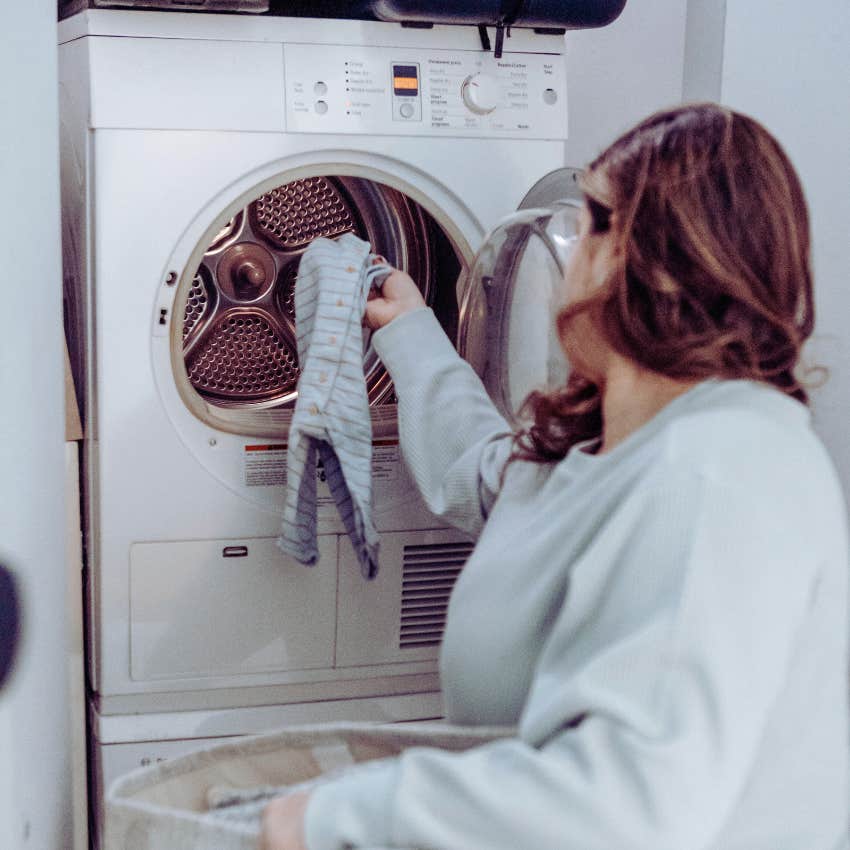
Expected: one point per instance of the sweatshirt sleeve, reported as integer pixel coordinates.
(644, 741)
(453, 439)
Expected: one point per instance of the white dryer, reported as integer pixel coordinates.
(201, 154)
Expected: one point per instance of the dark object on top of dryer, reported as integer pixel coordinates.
(10, 620)
(67, 8)
(539, 14)
(362, 10)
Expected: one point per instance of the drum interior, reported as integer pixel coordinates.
(238, 332)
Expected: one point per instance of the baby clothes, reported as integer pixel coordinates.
(331, 420)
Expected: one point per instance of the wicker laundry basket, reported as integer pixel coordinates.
(164, 807)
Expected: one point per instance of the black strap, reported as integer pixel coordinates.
(485, 38)
(510, 10)
(10, 619)
(500, 40)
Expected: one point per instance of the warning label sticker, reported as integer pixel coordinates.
(265, 465)
(385, 460)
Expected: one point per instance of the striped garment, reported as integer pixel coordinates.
(331, 422)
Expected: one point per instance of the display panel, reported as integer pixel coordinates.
(406, 80)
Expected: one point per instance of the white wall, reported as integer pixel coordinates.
(621, 73)
(784, 62)
(704, 35)
(787, 64)
(34, 769)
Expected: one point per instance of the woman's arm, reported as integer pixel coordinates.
(454, 441)
(647, 741)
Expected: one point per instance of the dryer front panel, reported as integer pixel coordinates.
(162, 474)
(203, 608)
(204, 171)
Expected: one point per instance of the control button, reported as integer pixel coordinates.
(321, 107)
(320, 89)
(550, 96)
(481, 93)
(406, 110)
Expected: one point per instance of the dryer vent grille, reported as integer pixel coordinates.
(286, 292)
(243, 357)
(196, 306)
(429, 573)
(295, 214)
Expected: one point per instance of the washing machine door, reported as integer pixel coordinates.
(516, 291)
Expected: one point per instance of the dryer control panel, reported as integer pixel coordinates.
(402, 91)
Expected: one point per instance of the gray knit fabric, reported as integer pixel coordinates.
(331, 422)
(245, 806)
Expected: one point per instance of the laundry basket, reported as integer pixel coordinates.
(164, 807)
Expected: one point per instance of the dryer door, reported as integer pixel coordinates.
(516, 290)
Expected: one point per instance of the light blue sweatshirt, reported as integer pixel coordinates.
(665, 623)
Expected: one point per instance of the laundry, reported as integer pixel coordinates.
(331, 422)
(244, 806)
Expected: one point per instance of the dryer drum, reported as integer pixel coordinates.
(239, 322)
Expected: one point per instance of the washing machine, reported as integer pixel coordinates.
(200, 155)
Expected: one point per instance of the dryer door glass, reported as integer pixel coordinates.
(516, 290)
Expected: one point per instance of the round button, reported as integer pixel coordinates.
(321, 107)
(550, 96)
(481, 93)
(320, 88)
(406, 110)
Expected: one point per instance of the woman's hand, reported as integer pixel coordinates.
(283, 823)
(399, 295)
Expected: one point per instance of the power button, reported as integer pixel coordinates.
(406, 110)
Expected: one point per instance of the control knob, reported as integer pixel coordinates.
(480, 93)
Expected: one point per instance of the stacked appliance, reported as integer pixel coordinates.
(201, 154)
(546, 14)
(72, 7)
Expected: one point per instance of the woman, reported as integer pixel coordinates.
(658, 594)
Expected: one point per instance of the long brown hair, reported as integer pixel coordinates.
(713, 278)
